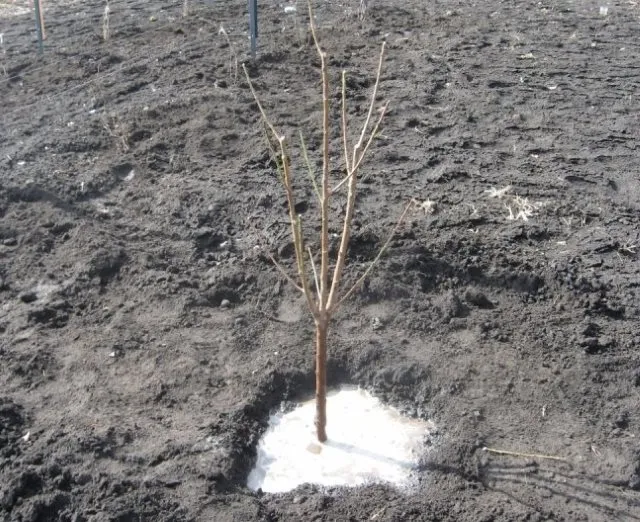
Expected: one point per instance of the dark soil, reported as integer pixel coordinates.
(145, 335)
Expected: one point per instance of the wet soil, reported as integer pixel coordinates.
(145, 335)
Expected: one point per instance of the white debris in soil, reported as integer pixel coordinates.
(368, 443)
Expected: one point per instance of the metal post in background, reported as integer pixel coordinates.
(253, 26)
(39, 25)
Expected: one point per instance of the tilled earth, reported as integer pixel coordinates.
(145, 335)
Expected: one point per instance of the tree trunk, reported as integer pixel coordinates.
(321, 380)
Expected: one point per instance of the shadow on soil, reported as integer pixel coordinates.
(602, 495)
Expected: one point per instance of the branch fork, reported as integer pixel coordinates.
(321, 292)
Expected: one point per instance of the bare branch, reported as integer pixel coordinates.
(374, 262)
(524, 455)
(265, 118)
(296, 228)
(358, 145)
(302, 274)
(356, 167)
(310, 168)
(372, 136)
(344, 240)
(315, 274)
(345, 137)
(359, 153)
(284, 273)
(326, 189)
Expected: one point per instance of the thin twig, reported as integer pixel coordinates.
(525, 455)
(372, 136)
(315, 273)
(352, 179)
(355, 168)
(284, 273)
(373, 102)
(309, 167)
(628, 248)
(298, 242)
(375, 261)
(296, 228)
(325, 183)
(359, 155)
(345, 138)
(265, 118)
(344, 240)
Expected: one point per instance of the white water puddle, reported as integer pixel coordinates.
(368, 443)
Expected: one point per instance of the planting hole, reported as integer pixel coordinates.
(368, 443)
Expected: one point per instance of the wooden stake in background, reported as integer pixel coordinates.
(44, 31)
(39, 25)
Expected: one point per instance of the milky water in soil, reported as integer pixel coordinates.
(368, 442)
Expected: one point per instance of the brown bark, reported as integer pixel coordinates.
(321, 380)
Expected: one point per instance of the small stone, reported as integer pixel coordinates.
(82, 479)
(477, 298)
(487, 326)
(286, 250)
(225, 303)
(458, 323)
(28, 297)
(589, 343)
(10, 241)
(622, 421)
